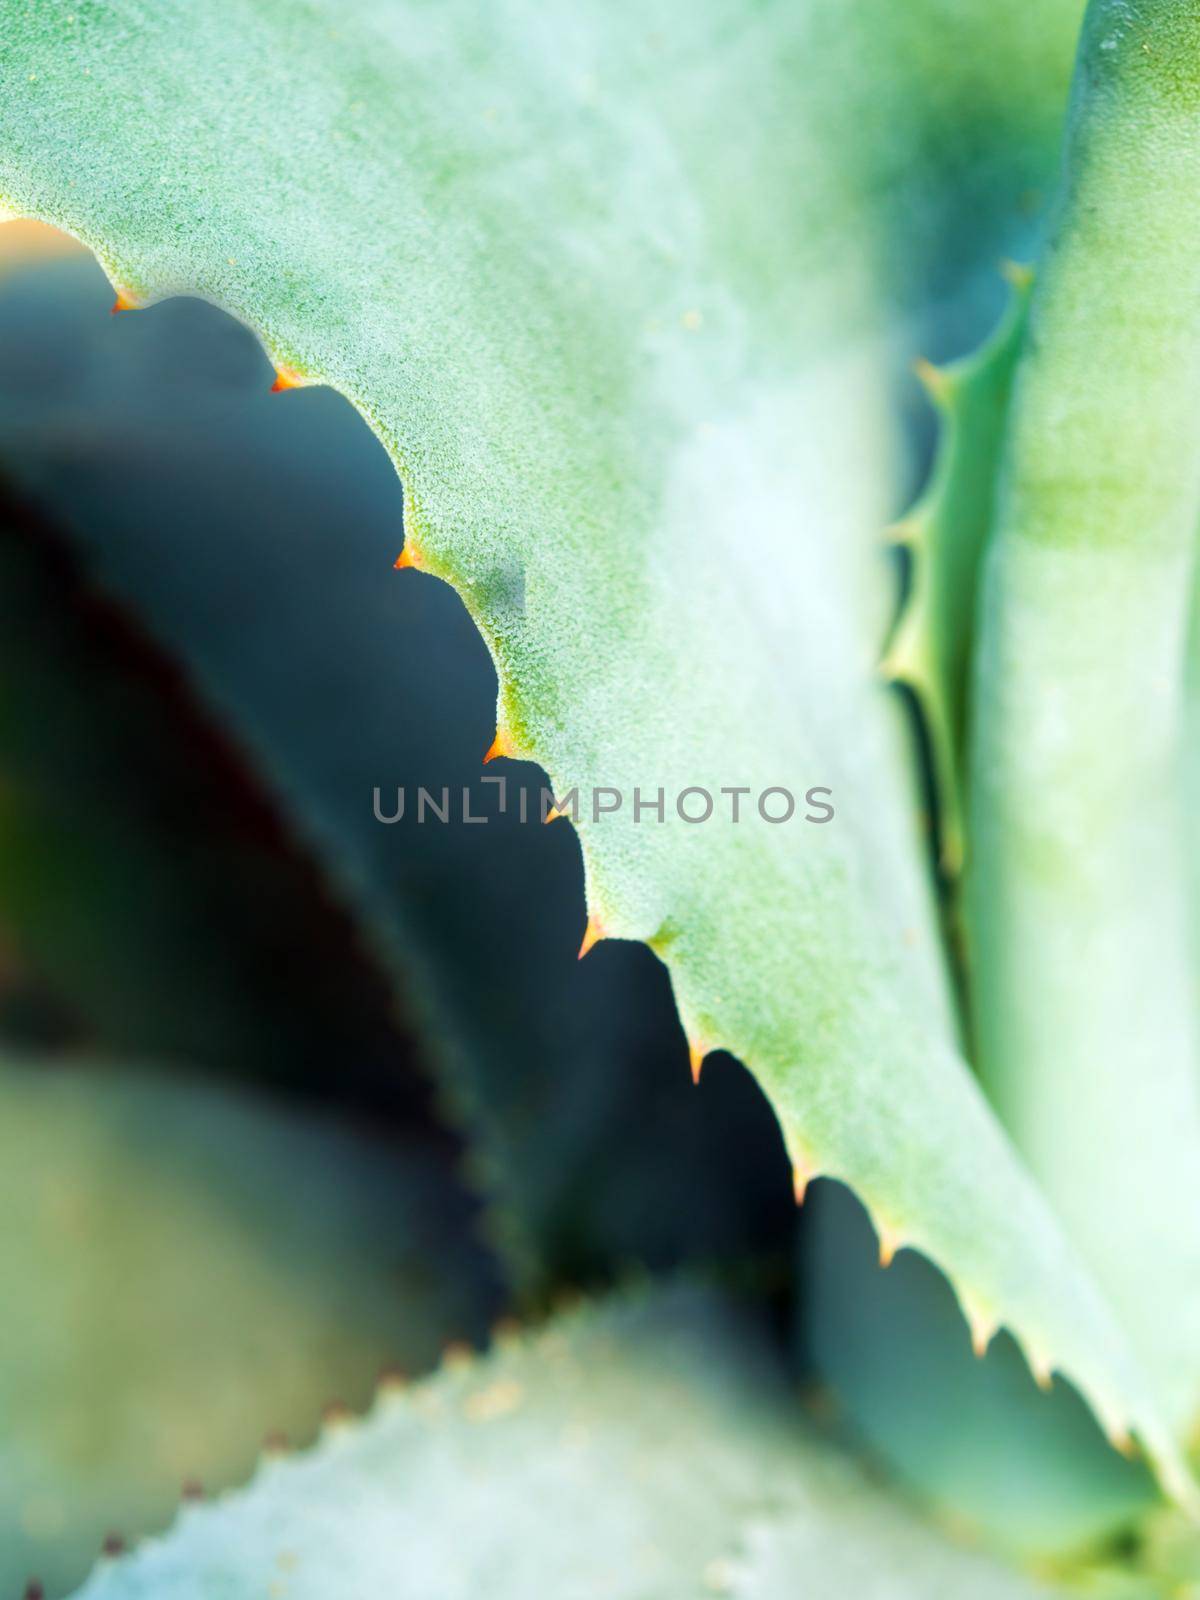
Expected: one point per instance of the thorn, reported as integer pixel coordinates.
(553, 814)
(897, 666)
(122, 303)
(34, 1591)
(457, 1355)
(592, 935)
(982, 1326)
(802, 1176)
(1121, 1440)
(114, 1545)
(1043, 1376)
(696, 1055)
(191, 1489)
(889, 1242)
(392, 1380)
(904, 659)
(336, 1414)
(934, 380)
(407, 556)
(1018, 274)
(904, 531)
(286, 378)
(275, 1443)
(500, 746)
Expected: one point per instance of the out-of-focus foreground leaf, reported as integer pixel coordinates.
(644, 1447)
(186, 1269)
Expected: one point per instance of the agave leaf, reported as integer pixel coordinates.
(295, 633)
(945, 533)
(848, 1540)
(1081, 931)
(625, 1450)
(530, 248)
(185, 1270)
(975, 1441)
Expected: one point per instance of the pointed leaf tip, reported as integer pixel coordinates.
(889, 1243)
(696, 1055)
(592, 935)
(983, 1328)
(934, 380)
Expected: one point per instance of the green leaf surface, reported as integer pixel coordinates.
(1082, 954)
(593, 320)
(184, 1271)
(631, 1450)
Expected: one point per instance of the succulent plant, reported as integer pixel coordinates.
(631, 299)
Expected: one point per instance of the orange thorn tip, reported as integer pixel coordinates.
(457, 1356)
(1043, 1375)
(123, 303)
(1122, 1440)
(592, 935)
(889, 1243)
(407, 557)
(696, 1055)
(1018, 274)
(286, 378)
(802, 1176)
(553, 814)
(501, 745)
(983, 1329)
(933, 379)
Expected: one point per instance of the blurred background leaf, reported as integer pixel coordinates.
(187, 1267)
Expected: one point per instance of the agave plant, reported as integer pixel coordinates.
(798, 400)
